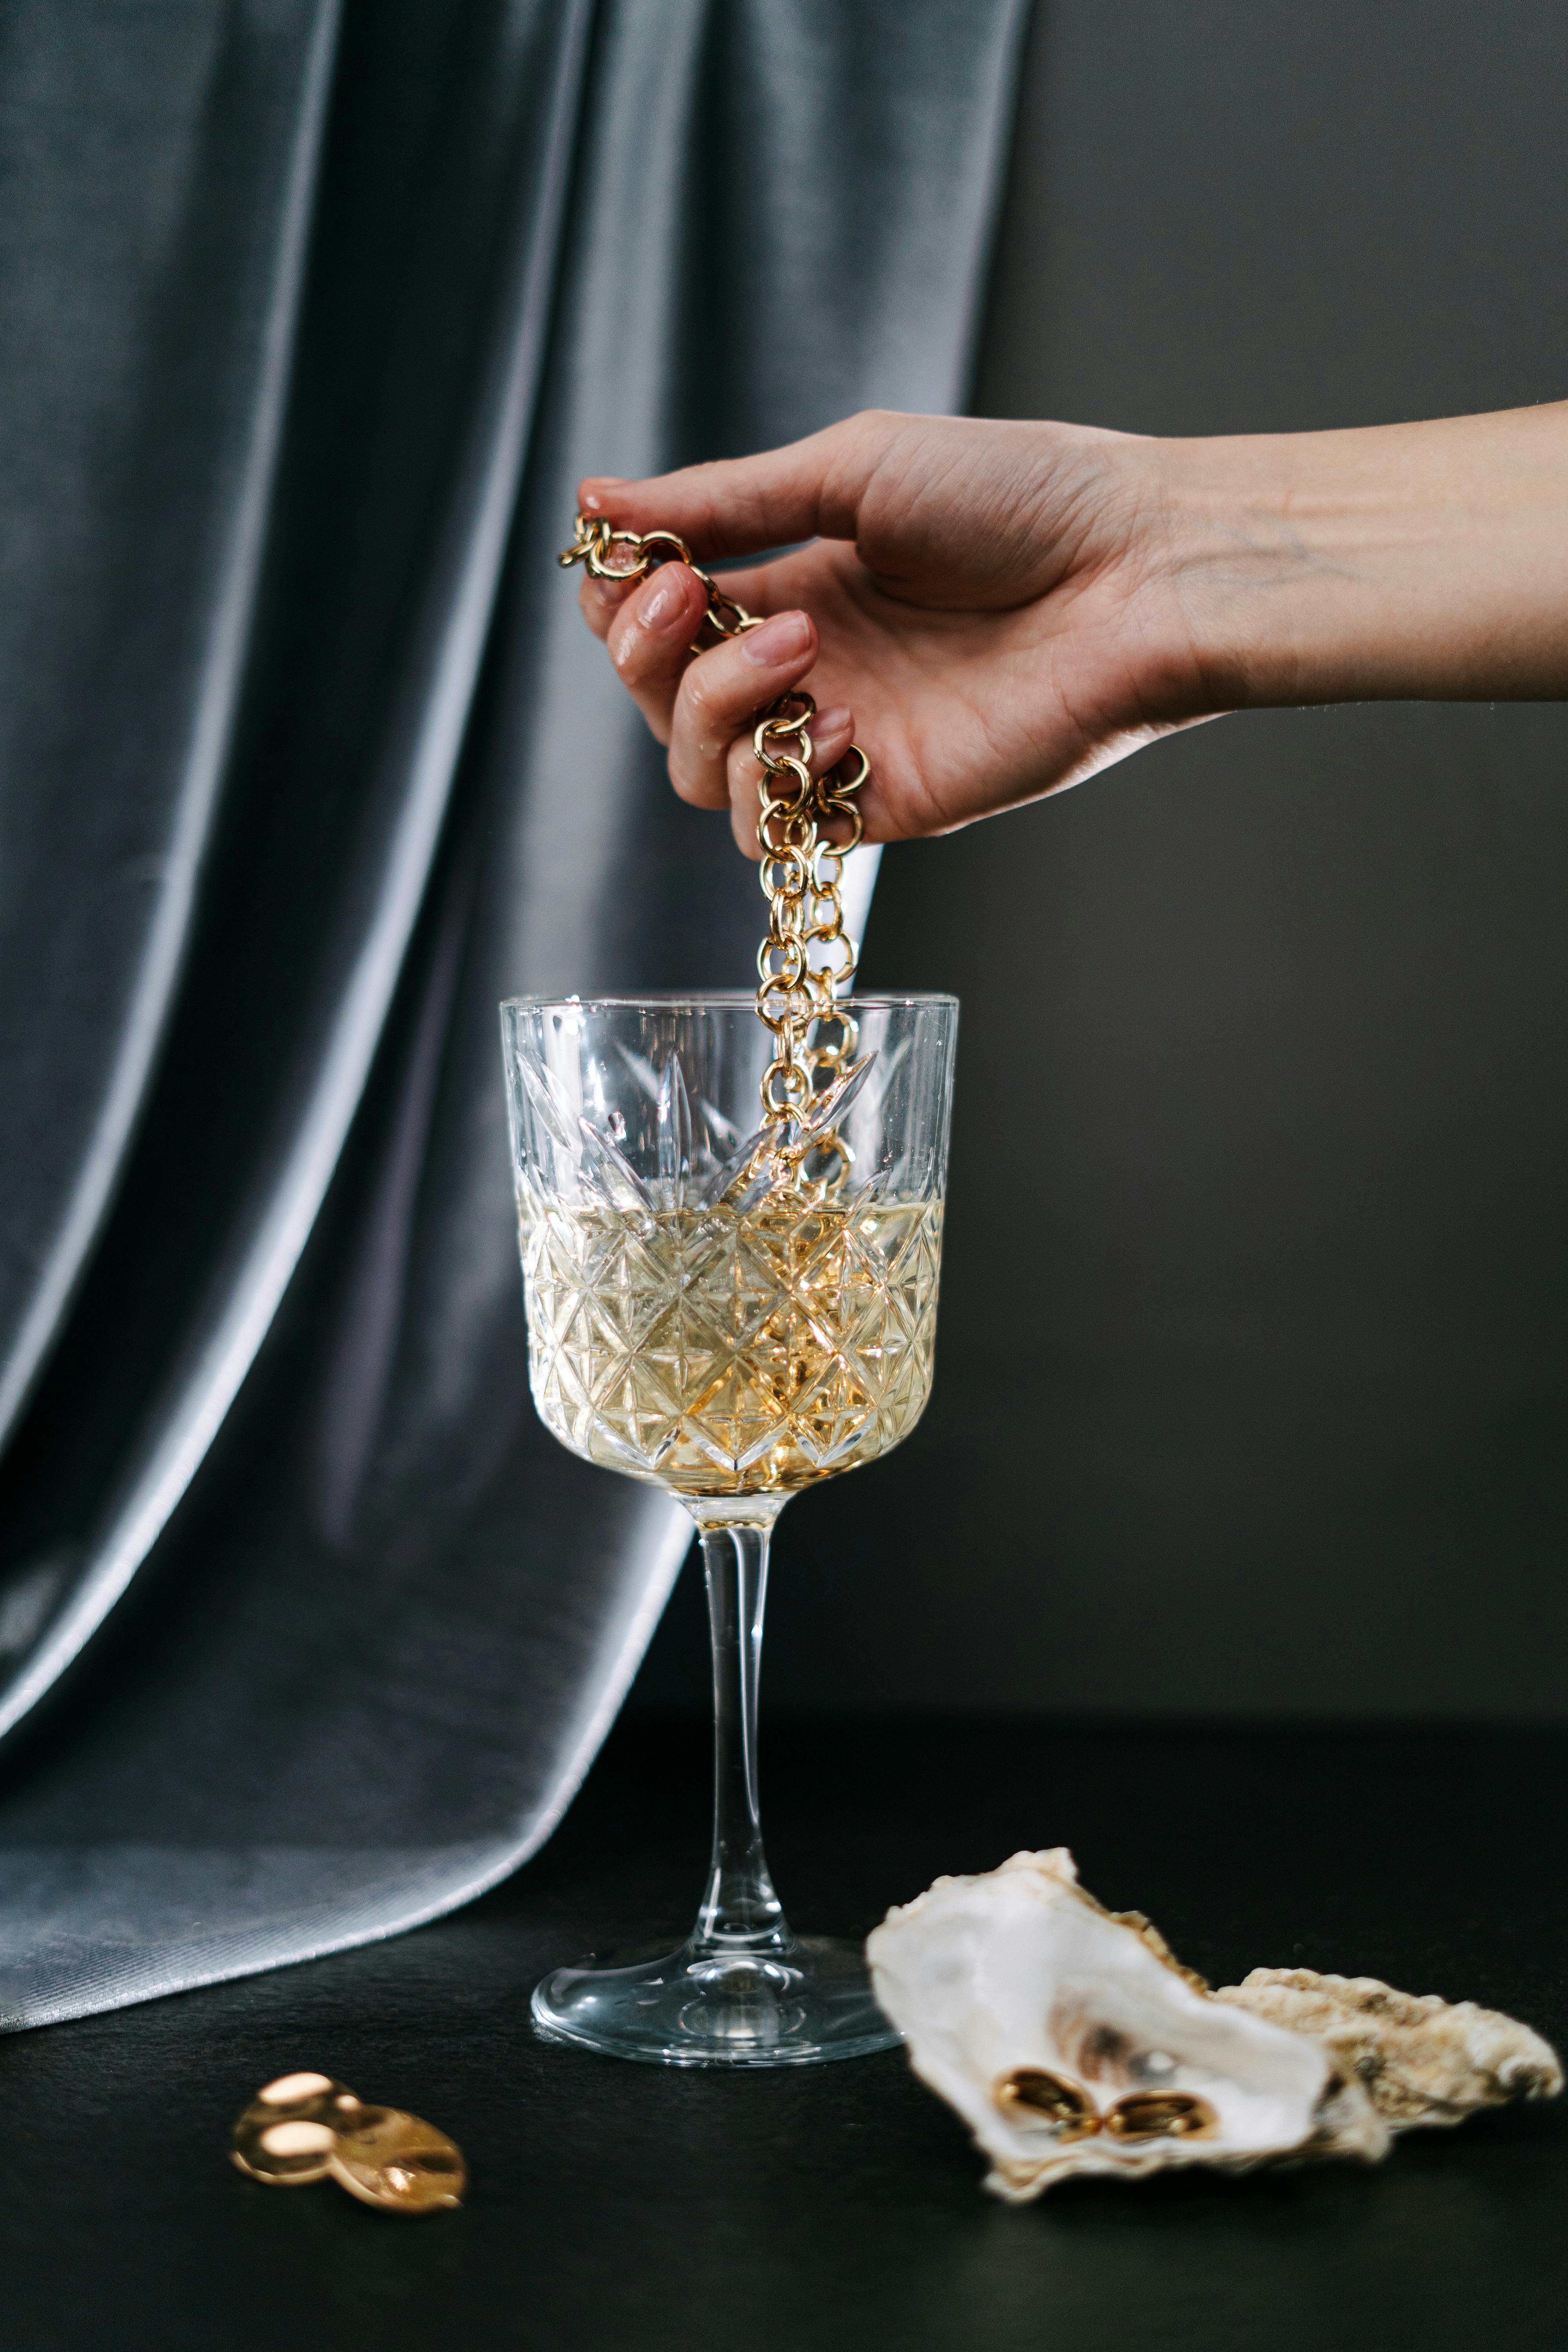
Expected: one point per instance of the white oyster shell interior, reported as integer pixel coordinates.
(1068, 2044)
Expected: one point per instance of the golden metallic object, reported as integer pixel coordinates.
(595, 543)
(1067, 2104)
(807, 957)
(1138, 2116)
(305, 2126)
(286, 2134)
(399, 2162)
(1161, 2115)
(284, 2154)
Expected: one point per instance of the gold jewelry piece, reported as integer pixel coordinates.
(1137, 2116)
(1067, 2104)
(285, 2136)
(305, 2126)
(398, 2161)
(1161, 2115)
(802, 870)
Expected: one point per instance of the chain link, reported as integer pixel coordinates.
(807, 956)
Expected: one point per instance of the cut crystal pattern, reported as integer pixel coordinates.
(739, 1347)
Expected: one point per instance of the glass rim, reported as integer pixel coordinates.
(726, 1000)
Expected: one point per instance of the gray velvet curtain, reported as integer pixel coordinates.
(311, 317)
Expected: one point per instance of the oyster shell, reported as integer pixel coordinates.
(1071, 2041)
(1422, 2059)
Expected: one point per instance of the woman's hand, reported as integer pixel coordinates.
(995, 610)
(966, 611)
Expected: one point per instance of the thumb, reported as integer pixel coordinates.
(740, 506)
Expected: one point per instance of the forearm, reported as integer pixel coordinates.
(1416, 562)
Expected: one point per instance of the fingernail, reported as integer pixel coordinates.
(828, 724)
(664, 607)
(778, 640)
(592, 494)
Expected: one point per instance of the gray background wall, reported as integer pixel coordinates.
(1252, 1381)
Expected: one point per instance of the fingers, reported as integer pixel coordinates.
(705, 708)
(810, 490)
(695, 706)
(599, 600)
(649, 630)
(721, 696)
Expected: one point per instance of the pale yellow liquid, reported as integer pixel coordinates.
(718, 1352)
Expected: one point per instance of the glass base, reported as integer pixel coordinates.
(795, 2002)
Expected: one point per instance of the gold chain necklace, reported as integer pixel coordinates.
(802, 873)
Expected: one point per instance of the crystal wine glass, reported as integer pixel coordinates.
(696, 1321)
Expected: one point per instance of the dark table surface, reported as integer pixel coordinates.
(620, 2205)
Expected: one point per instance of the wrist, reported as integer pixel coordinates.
(1412, 561)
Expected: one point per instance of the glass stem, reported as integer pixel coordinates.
(740, 1910)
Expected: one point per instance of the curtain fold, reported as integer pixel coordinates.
(149, 358)
(361, 774)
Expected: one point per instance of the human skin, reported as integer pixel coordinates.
(996, 611)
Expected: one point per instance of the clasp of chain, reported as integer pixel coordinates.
(807, 957)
